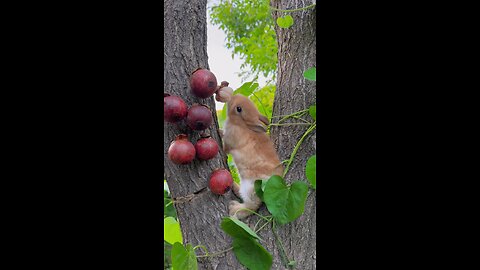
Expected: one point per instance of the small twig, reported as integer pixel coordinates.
(295, 113)
(310, 129)
(292, 124)
(256, 224)
(283, 253)
(299, 118)
(203, 247)
(215, 254)
(263, 226)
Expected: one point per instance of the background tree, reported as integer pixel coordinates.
(250, 33)
(296, 54)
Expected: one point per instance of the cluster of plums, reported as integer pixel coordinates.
(203, 84)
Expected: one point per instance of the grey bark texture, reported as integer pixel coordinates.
(296, 53)
(199, 211)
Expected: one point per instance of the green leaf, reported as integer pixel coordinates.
(310, 74)
(233, 169)
(183, 259)
(230, 160)
(171, 231)
(285, 22)
(313, 111)
(236, 228)
(167, 254)
(246, 89)
(168, 208)
(311, 170)
(251, 254)
(285, 203)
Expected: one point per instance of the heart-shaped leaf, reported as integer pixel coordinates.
(237, 229)
(171, 231)
(313, 111)
(285, 21)
(310, 74)
(251, 254)
(311, 170)
(184, 259)
(285, 203)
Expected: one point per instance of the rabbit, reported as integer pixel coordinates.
(245, 138)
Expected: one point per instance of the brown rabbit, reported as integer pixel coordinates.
(245, 138)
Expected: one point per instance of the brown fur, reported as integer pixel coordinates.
(253, 152)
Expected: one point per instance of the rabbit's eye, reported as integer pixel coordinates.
(239, 109)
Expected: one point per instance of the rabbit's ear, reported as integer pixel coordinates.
(264, 120)
(260, 125)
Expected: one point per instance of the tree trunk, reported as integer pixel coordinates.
(296, 53)
(199, 211)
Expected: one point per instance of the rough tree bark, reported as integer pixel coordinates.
(199, 211)
(296, 53)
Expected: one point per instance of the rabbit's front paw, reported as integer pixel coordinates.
(233, 207)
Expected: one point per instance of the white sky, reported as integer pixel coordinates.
(220, 58)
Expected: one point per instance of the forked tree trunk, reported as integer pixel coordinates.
(199, 211)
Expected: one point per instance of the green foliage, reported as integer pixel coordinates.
(250, 32)
(260, 187)
(246, 89)
(183, 258)
(245, 245)
(233, 169)
(285, 203)
(311, 170)
(171, 231)
(167, 256)
(237, 228)
(310, 74)
(263, 99)
(222, 116)
(168, 209)
(313, 111)
(251, 254)
(285, 22)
